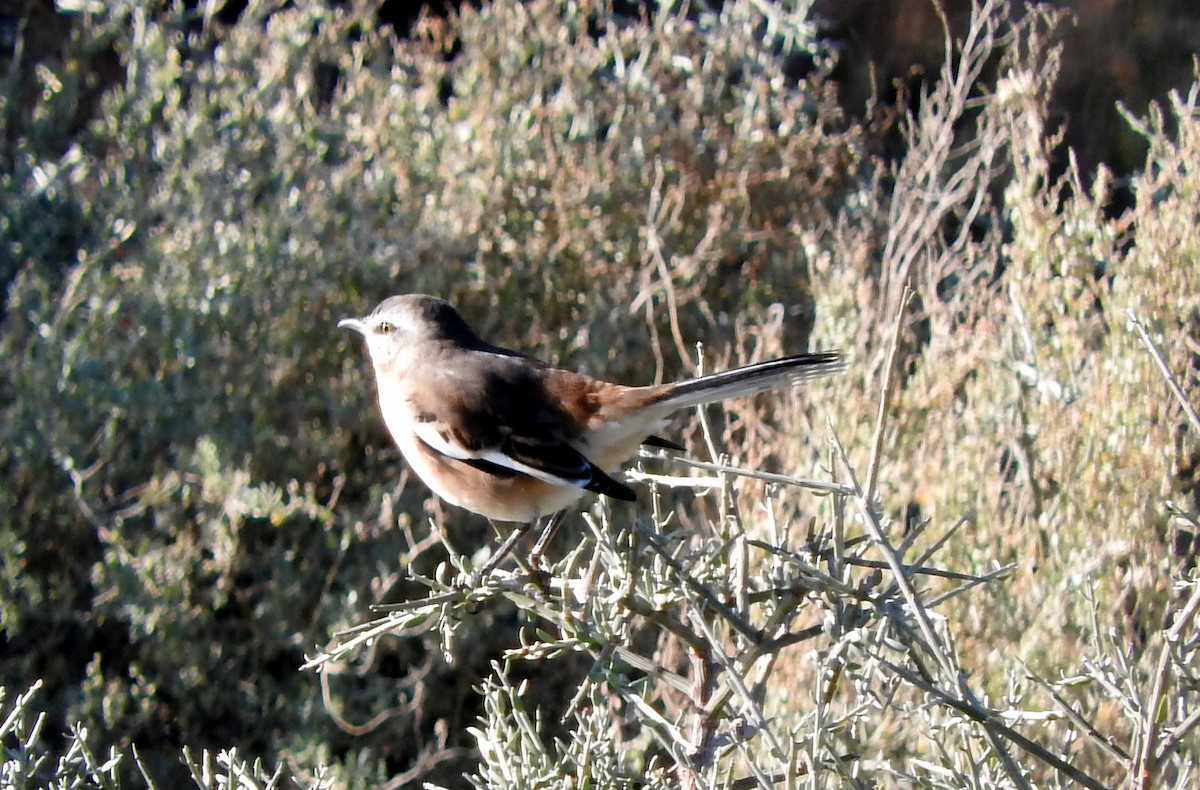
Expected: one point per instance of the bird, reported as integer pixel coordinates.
(512, 438)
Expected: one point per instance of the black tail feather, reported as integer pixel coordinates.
(753, 379)
(603, 484)
(666, 444)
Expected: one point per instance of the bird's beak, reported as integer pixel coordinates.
(357, 324)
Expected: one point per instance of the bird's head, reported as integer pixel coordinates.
(401, 325)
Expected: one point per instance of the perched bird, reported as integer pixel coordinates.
(511, 438)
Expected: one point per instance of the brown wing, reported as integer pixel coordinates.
(496, 413)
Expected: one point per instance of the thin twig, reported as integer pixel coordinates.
(989, 722)
(822, 486)
(1177, 735)
(999, 573)
(750, 706)
(1099, 738)
(885, 395)
(919, 613)
(736, 620)
(1147, 761)
(933, 642)
(1163, 368)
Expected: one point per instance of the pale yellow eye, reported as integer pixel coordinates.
(385, 328)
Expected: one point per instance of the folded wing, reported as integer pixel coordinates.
(491, 420)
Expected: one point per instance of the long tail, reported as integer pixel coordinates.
(753, 379)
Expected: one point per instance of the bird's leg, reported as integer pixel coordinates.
(543, 540)
(501, 553)
(510, 543)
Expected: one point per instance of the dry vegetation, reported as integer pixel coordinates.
(969, 562)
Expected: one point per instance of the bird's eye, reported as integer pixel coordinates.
(385, 328)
